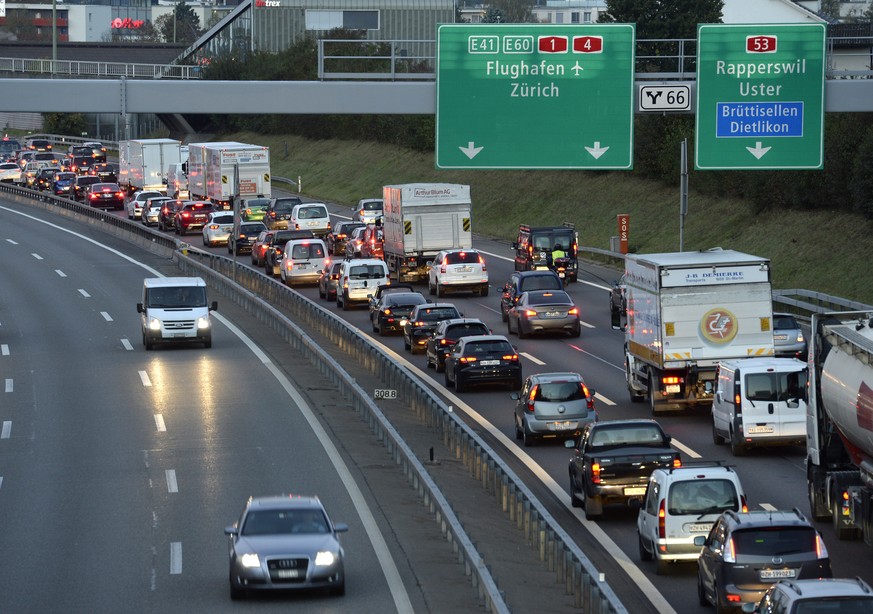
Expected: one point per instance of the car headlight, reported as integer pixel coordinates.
(154, 324)
(202, 322)
(250, 560)
(325, 558)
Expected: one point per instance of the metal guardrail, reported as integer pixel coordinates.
(263, 297)
(60, 140)
(91, 70)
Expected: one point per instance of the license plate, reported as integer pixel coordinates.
(553, 314)
(561, 426)
(312, 223)
(177, 335)
(780, 337)
(672, 388)
(287, 573)
(464, 269)
(489, 363)
(303, 265)
(699, 528)
(774, 574)
(635, 490)
(757, 430)
(561, 274)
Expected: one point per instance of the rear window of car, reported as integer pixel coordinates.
(285, 205)
(556, 392)
(437, 313)
(632, 434)
(309, 213)
(540, 282)
(549, 298)
(373, 206)
(87, 180)
(462, 257)
(251, 228)
(307, 250)
(106, 187)
(784, 323)
(489, 347)
(702, 496)
(466, 330)
(8, 166)
(366, 271)
(65, 176)
(774, 541)
(769, 387)
(404, 299)
(348, 227)
(223, 219)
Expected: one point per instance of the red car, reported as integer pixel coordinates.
(105, 195)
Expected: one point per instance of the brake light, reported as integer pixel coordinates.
(662, 520)
(677, 462)
(730, 552)
(671, 379)
(120, 194)
(732, 598)
(574, 311)
(744, 507)
(468, 359)
(529, 313)
(821, 552)
(510, 357)
(530, 400)
(588, 396)
(386, 311)
(595, 473)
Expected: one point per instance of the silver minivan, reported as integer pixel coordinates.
(310, 216)
(759, 402)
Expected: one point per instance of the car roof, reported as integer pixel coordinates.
(767, 518)
(402, 296)
(461, 321)
(563, 376)
(826, 587)
(284, 502)
(698, 469)
(163, 282)
(474, 338)
(524, 274)
(628, 422)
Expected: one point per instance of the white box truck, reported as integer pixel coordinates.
(143, 163)
(686, 311)
(421, 219)
(212, 171)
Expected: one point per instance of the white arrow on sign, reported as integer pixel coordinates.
(597, 150)
(757, 150)
(471, 150)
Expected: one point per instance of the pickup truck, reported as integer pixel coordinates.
(612, 462)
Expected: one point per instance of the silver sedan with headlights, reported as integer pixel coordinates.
(285, 542)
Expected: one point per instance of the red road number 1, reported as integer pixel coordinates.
(553, 44)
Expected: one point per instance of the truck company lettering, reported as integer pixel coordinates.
(433, 193)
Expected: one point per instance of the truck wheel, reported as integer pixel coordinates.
(738, 447)
(634, 397)
(817, 506)
(653, 395)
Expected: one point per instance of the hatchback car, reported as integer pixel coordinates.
(458, 270)
(218, 229)
(105, 195)
(106, 171)
(302, 262)
(544, 311)
(423, 321)
(338, 237)
(446, 334)
(151, 210)
(245, 237)
(254, 209)
(83, 184)
(788, 337)
(368, 210)
(552, 406)
(63, 182)
(137, 202)
(45, 177)
(169, 209)
(355, 242)
(285, 543)
(312, 217)
(523, 281)
(372, 241)
(682, 503)
(391, 311)
(10, 172)
(328, 281)
(483, 359)
(192, 217)
(279, 212)
(820, 596)
(745, 553)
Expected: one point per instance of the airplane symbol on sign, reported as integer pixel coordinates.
(577, 69)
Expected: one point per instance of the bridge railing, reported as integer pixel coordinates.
(94, 70)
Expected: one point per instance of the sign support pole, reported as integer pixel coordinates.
(683, 190)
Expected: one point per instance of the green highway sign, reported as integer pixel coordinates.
(760, 96)
(525, 96)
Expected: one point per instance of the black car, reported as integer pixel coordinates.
(106, 171)
(105, 195)
(423, 321)
(276, 248)
(192, 217)
(339, 236)
(82, 185)
(383, 289)
(279, 212)
(483, 359)
(45, 177)
(446, 334)
(169, 209)
(241, 241)
(522, 281)
(745, 553)
(390, 312)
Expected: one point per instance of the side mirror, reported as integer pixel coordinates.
(214, 306)
(231, 530)
(514, 396)
(340, 527)
(139, 308)
(700, 540)
(668, 439)
(570, 443)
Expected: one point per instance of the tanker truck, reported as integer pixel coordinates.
(839, 440)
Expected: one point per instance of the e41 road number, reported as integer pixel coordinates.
(664, 98)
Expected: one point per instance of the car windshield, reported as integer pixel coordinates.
(284, 521)
(549, 298)
(540, 282)
(547, 240)
(489, 347)
(373, 206)
(635, 434)
(707, 496)
(773, 541)
(366, 271)
(556, 392)
(462, 257)
(435, 314)
(179, 296)
(309, 213)
(466, 330)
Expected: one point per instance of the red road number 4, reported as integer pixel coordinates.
(587, 44)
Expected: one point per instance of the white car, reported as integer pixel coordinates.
(303, 260)
(218, 229)
(358, 280)
(137, 202)
(356, 240)
(312, 217)
(10, 172)
(151, 211)
(368, 210)
(455, 270)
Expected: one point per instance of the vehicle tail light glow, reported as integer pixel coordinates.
(530, 313)
(574, 311)
(744, 507)
(821, 552)
(510, 357)
(730, 552)
(677, 462)
(732, 598)
(588, 396)
(595, 473)
(120, 194)
(670, 379)
(468, 359)
(530, 399)
(662, 520)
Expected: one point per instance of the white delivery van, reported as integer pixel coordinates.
(310, 216)
(175, 309)
(759, 402)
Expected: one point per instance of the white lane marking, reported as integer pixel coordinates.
(175, 558)
(605, 401)
(499, 257)
(172, 485)
(159, 423)
(586, 324)
(6, 430)
(37, 256)
(533, 359)
(126, 344)
(4, 349)
(768, 507)
(60, 273)
(13, 242)
(83, 293)
(8, 384)
(106, 316)
(606, 362)
(1, 480)
(144, 377)
(684, 448)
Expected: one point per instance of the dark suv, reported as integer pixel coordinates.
(279, 212)
(447, 333)
(192, 217)
(276, 248)
(745, 553)
(522, 281)
(534, 247)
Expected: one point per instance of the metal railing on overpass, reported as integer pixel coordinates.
(270, 302)
(91, 70)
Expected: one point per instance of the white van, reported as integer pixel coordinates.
(759, 402)
(310, 216)
(358, 280)
(175, 309)
(303, 260)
